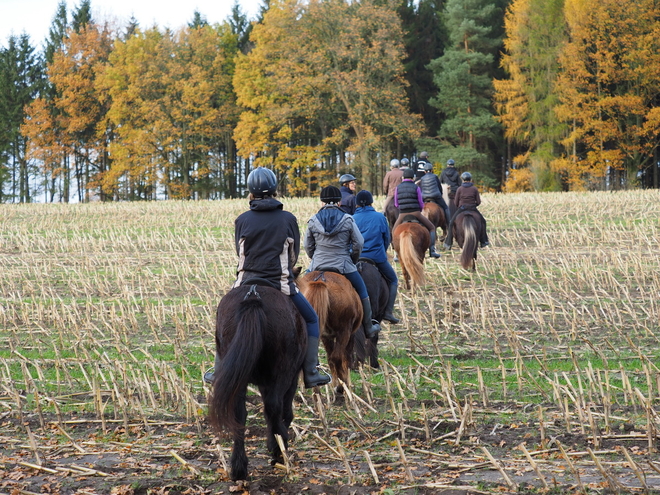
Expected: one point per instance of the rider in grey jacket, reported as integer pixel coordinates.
(334, 242)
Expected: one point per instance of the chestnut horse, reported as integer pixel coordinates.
(411, 240)
(467, 230)
(261, 339)
(435, 213)
(339, 309)
(379, 293)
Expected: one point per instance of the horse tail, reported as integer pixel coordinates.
(319, 297)
(469, 253)
(238, 364)
(409, 258)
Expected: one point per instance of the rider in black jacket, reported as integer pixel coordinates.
(268, 243)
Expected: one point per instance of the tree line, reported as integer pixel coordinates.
(526, 94)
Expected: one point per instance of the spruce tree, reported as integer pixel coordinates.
(463, 76)
(21, 80)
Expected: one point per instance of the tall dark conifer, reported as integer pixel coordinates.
(21, 80)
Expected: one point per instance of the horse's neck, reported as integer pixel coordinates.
(445, 192)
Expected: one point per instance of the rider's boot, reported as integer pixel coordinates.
(209, 376)
(448, 239)
(312, 376)
(432, 252)
(389, 316)
(484, 238)
(371, 327)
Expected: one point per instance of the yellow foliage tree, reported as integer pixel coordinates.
(609, 85)
(324, 78)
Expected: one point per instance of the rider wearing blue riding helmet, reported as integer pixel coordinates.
(267, 244)
(334, 242)
(376, 232)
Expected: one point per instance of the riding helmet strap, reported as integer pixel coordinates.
(252, 292)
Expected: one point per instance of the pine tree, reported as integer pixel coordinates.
(425, 37)
(21, 80)
(82, 16)
(198, 20)
(463, 76)
(241, 27)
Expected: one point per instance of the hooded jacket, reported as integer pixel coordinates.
(267, 242)
(333, 240)
(451, 177)
(376, 232)
(467, 195)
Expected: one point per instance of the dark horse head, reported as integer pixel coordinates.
(260, 338)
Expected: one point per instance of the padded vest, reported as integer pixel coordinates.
(406, 194)
(429, 186)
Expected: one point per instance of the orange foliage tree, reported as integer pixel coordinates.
(609, 85)
(324, 78)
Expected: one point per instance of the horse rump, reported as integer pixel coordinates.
(469, 230)
(260, 339)
(411, 240)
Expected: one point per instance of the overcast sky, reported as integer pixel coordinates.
(35, 16)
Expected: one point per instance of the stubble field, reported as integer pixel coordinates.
(538, 373)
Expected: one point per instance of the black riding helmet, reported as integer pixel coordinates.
(428, 167)
(262, 182)
(364, 198)
(408, 173)
(330, 194)
(466, 176)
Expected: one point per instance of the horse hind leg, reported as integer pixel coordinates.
(239, 460)
(273, 399)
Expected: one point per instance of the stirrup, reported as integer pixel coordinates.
(375, 329)
(391, 318)
(209, 376)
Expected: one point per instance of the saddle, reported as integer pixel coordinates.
(321, 274)
(410, 219)
(260, 281)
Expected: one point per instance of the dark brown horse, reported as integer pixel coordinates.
(339, 310)
(411, 240)
(391, 213)
(467, 231)
(261, 339)
(378, 290)
(435, 213)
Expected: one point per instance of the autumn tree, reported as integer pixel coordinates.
(173, 108)
(609, 86)
(324, 78)
(77, 110)
(526, 99)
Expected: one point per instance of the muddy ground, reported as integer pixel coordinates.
(82, 455)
